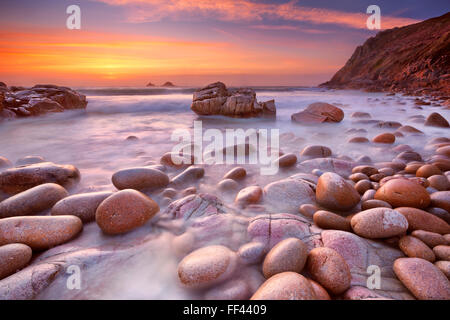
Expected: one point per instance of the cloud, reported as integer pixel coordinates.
(247, 11)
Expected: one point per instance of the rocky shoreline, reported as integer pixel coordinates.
(317, 232)
(40, 99)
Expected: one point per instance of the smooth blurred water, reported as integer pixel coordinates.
(94, 139)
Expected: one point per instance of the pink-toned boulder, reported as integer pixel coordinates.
(329, 269)
(207, 266)
(285, 286)
(288, 255)
(403, 193)
(379, 223)
(335, 193)
(32, 201)
(13, 257)
(414, 248)
(124, 211)
(422, 278)
(422, 220)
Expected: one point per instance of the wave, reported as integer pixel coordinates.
(134, 91)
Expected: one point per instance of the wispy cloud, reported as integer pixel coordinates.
(246, 10)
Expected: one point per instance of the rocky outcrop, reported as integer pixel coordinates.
(168, 84)
(150, 85)
(414, 59)
(40, 99)
(215, 98)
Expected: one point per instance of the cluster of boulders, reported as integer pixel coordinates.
(313, 235)
(216, 99)
(37, 100)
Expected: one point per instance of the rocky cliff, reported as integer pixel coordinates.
(414, 59)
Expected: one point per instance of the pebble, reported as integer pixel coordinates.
(370, 204)
(422, 278)
(189, 175)
(39, 232)
(228, 185)
(368, 195)
(358, 140)
(83, 205)
(329, 220)
(287, 255)
(444, 266)
(384, 138)
(333, 192)
(287, 160)
(362, 186)
(319, 291)
(431, 239)
(16, 180)
(207, 266)
(32, 201)
(427, 170)
(403, 193)
(288, 195)
(415, 248)
(285, 286)
(13, 257)
(316, 151)
(439, 182)
(379, 223)
(251, 253)
(422, 220)
(355, 177)
(442, 252)
(29, 160)
(125, 211)
(367, 170)
(307, 210)
(237, 173)
(329, 269)
(249, 195)
(5, 163)
(436, 120)
(140, 178)
(441, 200)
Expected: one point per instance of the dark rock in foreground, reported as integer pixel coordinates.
(40, 99)
(413, 59)
(217, 99)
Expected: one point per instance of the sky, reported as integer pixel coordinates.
(190, 42)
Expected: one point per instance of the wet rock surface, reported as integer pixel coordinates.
(38, 100)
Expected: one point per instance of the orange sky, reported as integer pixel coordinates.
(183, 41)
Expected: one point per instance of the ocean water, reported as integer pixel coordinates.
(94, 140)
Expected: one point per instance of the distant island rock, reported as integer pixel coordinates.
(216, 99)
(150, 85)
(414, 59)
(40, 99)
(168, 84)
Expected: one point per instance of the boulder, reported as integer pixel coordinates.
(422, 278)
(318, 112)
(124, 211)
(32, 201)
(19, 179)
(39, 232)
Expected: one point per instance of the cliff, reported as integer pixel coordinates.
(414, 59)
